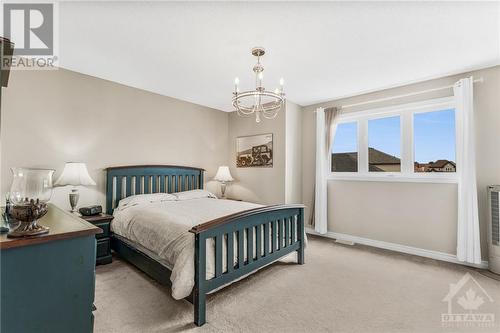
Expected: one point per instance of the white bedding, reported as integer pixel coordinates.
(163, 228)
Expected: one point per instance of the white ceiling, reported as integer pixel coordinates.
(193, 51)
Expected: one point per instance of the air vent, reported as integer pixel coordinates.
(494, 228)
(495, 225)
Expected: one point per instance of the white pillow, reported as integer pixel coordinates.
(138, 199)
(194, 194)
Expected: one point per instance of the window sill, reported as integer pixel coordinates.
(396, 178)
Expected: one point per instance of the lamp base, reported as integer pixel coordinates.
(73, 199)
(223, 190)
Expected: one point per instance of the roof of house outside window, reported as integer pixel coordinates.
(379, 157)
(440, 163)
(348, 162)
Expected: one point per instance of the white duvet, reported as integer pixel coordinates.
(162, 227)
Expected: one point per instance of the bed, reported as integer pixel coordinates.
(221, 241)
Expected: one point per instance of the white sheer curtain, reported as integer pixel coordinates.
(325, 131)
(468, 238)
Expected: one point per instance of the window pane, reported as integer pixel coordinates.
(384, 145)
(345, 148)
(434, 140)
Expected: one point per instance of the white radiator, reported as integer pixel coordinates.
(494, 228)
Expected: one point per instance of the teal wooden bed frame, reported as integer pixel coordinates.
(279, 230)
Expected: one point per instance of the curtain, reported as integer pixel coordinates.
(468, 238)
(325, 130)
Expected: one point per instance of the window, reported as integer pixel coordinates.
(411, 142)
(434, 141)
(384, 145)
(345, 148)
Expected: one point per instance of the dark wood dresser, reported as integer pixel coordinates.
(48, 281)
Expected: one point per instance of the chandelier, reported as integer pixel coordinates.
(259, 101)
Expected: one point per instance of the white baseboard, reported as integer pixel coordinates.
(398, 248)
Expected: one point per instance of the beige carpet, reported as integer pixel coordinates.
(340, 289)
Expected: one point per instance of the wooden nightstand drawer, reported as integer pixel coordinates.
(103, 221)
(105, 230)
(103, 248)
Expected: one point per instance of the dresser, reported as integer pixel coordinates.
(48, 281)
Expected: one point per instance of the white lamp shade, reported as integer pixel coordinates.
(75, 174)
(223, 174)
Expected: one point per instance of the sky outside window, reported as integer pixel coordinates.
(434, 136)
(346, 138)
(384, 143)
(384, 134)
(345, 148)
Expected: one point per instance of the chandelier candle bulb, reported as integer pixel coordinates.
(236, 83)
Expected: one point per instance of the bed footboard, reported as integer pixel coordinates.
(252, 239)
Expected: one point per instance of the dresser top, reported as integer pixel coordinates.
(62, 224)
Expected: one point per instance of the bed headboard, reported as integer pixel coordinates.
(124, 181)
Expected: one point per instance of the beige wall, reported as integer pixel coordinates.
(262, 185)
(281, 183)
(421, 215)
(50, 117)
(413, 214)
(293, 167)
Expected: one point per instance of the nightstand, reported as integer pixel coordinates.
(103, 251)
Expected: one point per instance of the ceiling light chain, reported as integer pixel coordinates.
(261, 107)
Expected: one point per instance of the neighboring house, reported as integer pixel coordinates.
(378, 161)
(382, 162)
(345, 162)
(438, 166)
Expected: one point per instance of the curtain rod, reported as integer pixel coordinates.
(480, 80)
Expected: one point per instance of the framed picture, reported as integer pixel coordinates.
(254, 151)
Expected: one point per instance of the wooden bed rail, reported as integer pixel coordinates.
(228, 218)
(252, 239)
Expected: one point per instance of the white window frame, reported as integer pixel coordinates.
(406, 113)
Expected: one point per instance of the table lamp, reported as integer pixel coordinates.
(75, 174)
(223, 176)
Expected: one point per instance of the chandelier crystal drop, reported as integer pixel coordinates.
(260, 102)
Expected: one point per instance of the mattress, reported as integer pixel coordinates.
(162, 227)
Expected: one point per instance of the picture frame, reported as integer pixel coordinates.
(254, 151)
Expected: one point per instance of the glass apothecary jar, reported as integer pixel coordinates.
(30, 191)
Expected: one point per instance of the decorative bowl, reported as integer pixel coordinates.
(30, 191)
